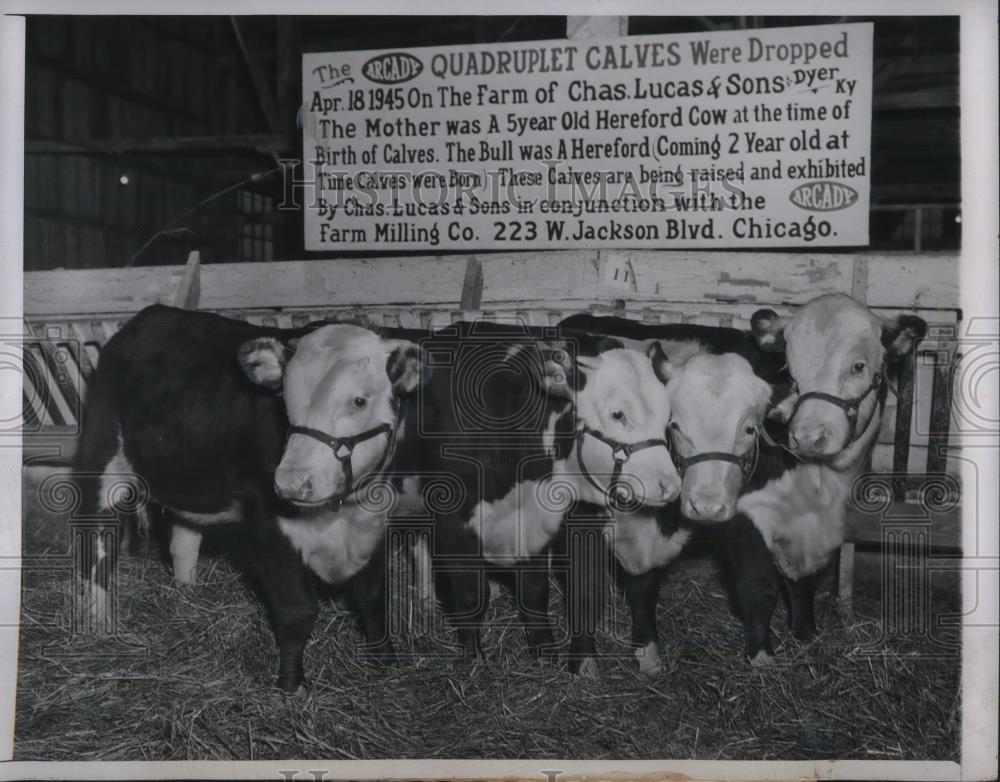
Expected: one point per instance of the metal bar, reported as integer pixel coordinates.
(904, 416)
(940, 418)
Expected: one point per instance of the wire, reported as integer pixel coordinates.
(257, 177)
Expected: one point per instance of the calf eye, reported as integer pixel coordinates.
(858, 368)
(751, 430)
(618, 415)
(675, 426)
(360, 401)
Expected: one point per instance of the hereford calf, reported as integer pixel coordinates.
(789, 516)
(842, 357)
(524, 426)
(717, 406)
(281, 432)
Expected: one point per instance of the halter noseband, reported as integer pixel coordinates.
(850, 406)
(616, 492)
(343, 448)
(747, 462)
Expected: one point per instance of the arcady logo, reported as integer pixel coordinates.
(392, 68)
(823, 196)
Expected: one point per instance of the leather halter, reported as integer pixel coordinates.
(850, 406)
(747, 462)
(616, 491)
(343, 448)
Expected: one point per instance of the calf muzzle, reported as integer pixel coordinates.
(343, 449)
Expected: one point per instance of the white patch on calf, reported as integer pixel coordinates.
(639, 545)
(648, 657)
(184, 545)
(519, 525)
(335, 545)
(800, 516)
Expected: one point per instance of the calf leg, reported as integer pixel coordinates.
(287, 589)
(642, 592)
(756, 586)
(368, 589)
(185, 543)
(462, 584)
(586, 590)
(104, 483)
(802, 606)
(531, 591)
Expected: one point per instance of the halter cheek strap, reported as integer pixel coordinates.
(850, 406)
(343, 449)
(616, 492)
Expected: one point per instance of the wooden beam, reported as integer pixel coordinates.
(725, 281)
(286, 52)
(596, 26)
(116, 86)
(189, 289)
(258, 79)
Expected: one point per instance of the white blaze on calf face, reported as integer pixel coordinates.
(625, 401)
(717, 403)
(337, 383)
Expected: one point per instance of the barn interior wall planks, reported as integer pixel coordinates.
(511, 388)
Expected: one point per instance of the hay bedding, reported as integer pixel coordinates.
(202, 689)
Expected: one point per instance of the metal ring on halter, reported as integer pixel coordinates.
(747, 462)
(343, 449)
(851, 406)
(620, 453)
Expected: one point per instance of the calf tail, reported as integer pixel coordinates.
(108, 497)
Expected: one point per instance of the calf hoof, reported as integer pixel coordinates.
(586, 667)
(805, 634)
(292, 684)
(648, 657)
(185, 578)
(762, 659)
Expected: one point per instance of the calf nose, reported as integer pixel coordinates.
(669, 489)
(294, 486)
(709, 508)
(814, 439)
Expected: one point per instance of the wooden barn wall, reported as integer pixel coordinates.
(101, 78)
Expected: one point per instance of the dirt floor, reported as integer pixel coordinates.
(190, 676)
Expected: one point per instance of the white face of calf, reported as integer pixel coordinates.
(340, 381)
(624, 400)
(717, 404)
(834, 346)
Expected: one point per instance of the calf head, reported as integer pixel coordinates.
(341, 386)
(621, 410)
(717, 405)
(840, 355)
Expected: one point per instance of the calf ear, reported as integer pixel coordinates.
(768, 330)
(900, 334)
(405, 367)
(263, 360)
(558, 369)
(783, 410)
(662, 367)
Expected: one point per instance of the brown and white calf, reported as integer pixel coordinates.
(280, 432)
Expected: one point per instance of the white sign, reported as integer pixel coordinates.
(748, 138)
